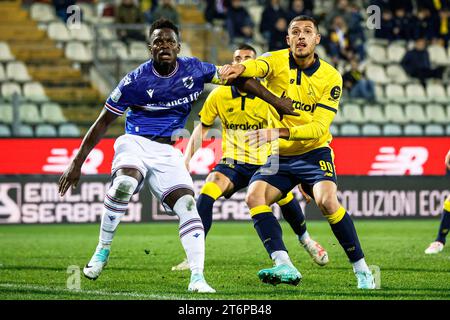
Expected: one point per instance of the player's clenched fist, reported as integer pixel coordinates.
(230, 72)
(70, 177)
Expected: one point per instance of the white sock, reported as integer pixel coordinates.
(281, 257)
(192, 234)
(304, 238)
(360, 266)
(114, 206)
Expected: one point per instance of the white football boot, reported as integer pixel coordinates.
(435, 247)
(198, 284)
(316, 251)
(98, 261)
(181, 266)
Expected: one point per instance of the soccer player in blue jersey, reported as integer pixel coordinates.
(159, 96)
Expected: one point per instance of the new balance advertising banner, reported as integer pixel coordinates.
(354, 156)
(32, 199)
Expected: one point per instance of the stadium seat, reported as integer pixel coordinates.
(58, 31)
(438, 55)
(52, 113)
(413, 130)
(3, 77)
(81, 32)
(392, 129)
(45, 130)
(5, 131)
(371, 130)
(17, 71)
(6, 113)
(78, 52)
(339, 118)
(436, 92)
(25, 130)
(379, 93)
(395, 93)
(415, 93)
(395, 53)
(377, 74)
(434, 130)
(34, 91)
(396, 74)
(447, 129)
(377, 53)
(415, 114)
(29, 113)
(374, 114)
(353, 113)
(349, 129)
(5, 53)
(139, 51)
(334, 130)
(42, 12)
(105, 33)
(68, 130)
(394, 113)
(436, 113)
(120, 49)
(9, 88)
(88, 12)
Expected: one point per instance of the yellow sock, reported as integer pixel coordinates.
(260, 209)
(337, 216)
(211, 189)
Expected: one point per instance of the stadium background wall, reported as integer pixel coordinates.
(30, 199)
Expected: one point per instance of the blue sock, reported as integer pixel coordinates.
(293, 214)
(205, 207)
(345, 232)
(444, 226)
(269, 231)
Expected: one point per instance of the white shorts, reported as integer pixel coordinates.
(161, 165)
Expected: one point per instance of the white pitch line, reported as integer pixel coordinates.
(100, 292)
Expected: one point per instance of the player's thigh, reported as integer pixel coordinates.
(262, 193)
(167, 173)
(325, 195)
(128, 160)
(221, 180)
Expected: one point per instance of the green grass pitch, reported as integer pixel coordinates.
(34, 263)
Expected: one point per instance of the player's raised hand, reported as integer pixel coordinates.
(230, 72)
(70, 177)
(257, 138)
(284, 106)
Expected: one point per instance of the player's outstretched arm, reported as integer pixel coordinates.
(71, 176)
(195, 142)
(283, 105)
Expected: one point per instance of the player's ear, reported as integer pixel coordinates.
(287, 40)
(178, 48)
(318, 38)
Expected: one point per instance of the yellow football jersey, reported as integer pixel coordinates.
(238, 113)
(315, 91)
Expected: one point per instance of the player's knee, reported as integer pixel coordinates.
(253, 199)
(123, 187)
(327, 203)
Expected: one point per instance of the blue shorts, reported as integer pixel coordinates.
(306, 169)
(238, 173)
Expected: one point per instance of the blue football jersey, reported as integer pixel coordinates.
(158, 105)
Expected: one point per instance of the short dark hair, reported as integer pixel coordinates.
(304, 18)
(163, 23)
(244, 46)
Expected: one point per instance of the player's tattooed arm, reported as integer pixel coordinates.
(71, 176)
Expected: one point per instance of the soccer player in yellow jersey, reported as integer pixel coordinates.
(238, 114)
(304, 153)
(438, 245)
